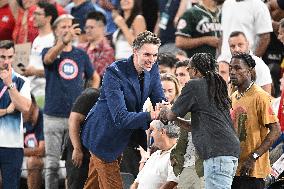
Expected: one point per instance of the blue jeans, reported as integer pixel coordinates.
(219, 172)
(11, 160)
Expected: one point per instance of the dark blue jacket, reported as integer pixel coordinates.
(117, 113)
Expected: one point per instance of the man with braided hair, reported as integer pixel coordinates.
(117, 115)
(213, 135)
(256, 124)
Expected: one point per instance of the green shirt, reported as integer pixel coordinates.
(198, 22)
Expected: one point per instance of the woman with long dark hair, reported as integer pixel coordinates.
(130, 23)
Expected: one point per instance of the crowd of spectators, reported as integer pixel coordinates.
(45, 98)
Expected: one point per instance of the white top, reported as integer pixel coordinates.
(40, 42)
(249, 16)
(122, 48)
(263, 76)
(11, 125)
(156, 171)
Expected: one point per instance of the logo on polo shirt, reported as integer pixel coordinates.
(68, 69)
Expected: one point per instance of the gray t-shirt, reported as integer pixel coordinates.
(212, 129)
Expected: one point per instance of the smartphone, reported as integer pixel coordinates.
(76, 21)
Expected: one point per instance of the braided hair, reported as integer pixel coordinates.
(247, 58)
(217, 87)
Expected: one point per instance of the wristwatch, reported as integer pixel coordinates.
(11, 86)
(255, 156)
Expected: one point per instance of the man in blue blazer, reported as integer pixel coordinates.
(118, 113)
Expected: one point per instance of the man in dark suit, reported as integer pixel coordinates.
(117, 114)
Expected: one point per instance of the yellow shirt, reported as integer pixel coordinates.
(250, 113)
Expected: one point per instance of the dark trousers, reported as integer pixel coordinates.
(76, 177)
(11, 160)
(240, 182)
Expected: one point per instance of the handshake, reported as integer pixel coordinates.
(161, 111)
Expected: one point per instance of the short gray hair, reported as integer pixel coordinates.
(60, 18)
(172, 130)
(145, 37)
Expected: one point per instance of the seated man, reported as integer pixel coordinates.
(34, 146)
(157, 171)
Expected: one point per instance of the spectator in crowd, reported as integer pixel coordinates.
(98, 47)
(182, 72)
(167, 63)
(130, 23)
(199, 29)
(80, 11)
(276, 8)
(223, 70)
(238, 43)
(256, 124)
(66, 68)
(58, 7)
(168, 16)
(34, 145)
(15, 90)
(24, 30)
(7, 21)
(171, 87)
(78, 157)
(22, 10)
(44, 16)
(149, 10)
(253, 20)
(277, 149)
(281, 104)
(157, 171)
(275, 50)
(116, 115)
(213, 135)
(108, 6)
(181, 55)
(281, 38)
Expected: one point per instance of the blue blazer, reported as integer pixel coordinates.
(118, 112)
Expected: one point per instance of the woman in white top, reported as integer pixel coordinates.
(130, 23)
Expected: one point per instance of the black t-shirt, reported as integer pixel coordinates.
(212, 129)
(85, 101)
(82, 105)
(281, 4)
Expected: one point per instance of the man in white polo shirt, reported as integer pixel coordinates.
(157, 171)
